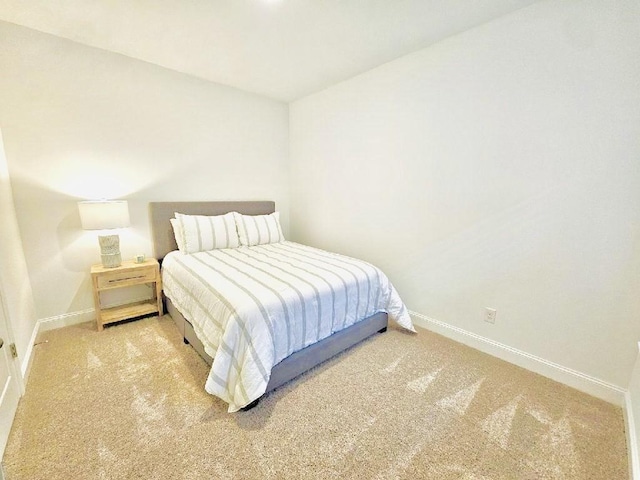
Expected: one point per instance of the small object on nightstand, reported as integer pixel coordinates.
(140, 258)
(128, 274)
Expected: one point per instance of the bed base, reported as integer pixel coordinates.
(292, 366)
(300, 361)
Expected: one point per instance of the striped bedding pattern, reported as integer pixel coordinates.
(253, 306)
(259, 229)
(198, 233)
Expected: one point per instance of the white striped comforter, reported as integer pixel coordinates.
(253, 306)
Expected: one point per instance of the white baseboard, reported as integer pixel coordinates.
(74, 318)
(25, 366)
(632, 439)
(580, 381)
(67, 319)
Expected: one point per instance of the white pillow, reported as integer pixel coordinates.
(201, 233)
(177, 232)
(259, 229)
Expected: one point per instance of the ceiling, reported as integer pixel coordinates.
(283, 49)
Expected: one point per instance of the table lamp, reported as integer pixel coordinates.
(106, 215)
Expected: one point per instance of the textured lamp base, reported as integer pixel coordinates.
(110, 250)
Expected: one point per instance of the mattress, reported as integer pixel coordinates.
(251, 307)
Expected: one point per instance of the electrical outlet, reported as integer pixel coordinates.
(490, 315)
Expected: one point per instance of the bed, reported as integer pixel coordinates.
(258, 349)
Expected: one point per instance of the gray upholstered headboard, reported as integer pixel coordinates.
(161, 212)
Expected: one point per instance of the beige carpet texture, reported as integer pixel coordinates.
(129, 403)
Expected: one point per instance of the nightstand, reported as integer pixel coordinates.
(126, 275)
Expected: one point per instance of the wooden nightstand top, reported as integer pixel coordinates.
(126, 265)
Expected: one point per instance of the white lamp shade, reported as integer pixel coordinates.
(104, 214)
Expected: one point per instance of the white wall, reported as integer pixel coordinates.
(82, 123)
(500, 168)
(15, 286)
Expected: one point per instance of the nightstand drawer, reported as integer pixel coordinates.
(120, 278)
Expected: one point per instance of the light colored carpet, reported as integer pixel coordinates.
(129, 403)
